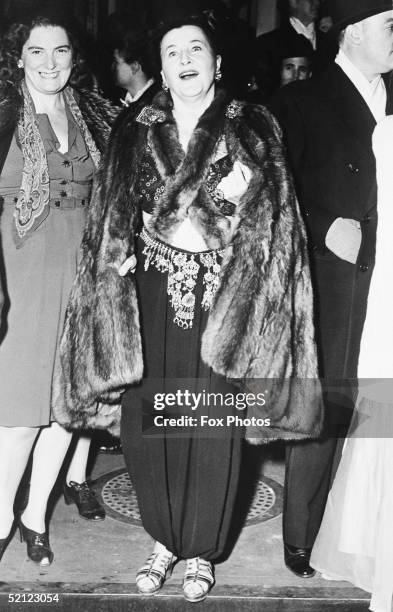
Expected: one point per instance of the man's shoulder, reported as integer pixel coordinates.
(319, 87)
(282, 31)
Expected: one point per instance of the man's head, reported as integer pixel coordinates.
(304, 10)
(369, 43)
(295, 69)
(296, 60)
(131, 60)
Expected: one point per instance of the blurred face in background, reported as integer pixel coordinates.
(295, 69)
(121, 70)
(305, 10)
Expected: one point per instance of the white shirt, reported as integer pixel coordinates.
(373, 92)
(307, 31)
(129, 99)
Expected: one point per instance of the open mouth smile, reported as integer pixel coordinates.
(188, 74)
(49, 75)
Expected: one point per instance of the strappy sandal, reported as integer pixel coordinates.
(198, 579)
(152, 575)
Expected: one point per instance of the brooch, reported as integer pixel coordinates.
(150, 114)
(234, 109)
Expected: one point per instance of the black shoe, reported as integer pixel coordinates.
(108, 444)
(38, 548)
(83, 496)
(111, 449)
(298, 561)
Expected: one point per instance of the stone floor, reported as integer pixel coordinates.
(95, 565)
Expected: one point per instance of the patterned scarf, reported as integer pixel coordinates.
(32, 206)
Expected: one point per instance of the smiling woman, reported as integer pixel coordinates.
(50, 141)
(47, 59)
(189, 65)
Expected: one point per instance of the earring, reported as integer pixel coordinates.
(164, 85)
(218, 75)
(20, 63)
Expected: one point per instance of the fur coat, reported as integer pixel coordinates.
(260, 325)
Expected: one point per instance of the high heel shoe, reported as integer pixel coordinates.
(198, 579)
(38, 548)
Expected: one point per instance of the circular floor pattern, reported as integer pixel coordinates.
(119, 499)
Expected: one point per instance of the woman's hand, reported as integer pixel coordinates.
(129, 265)
(236, 183)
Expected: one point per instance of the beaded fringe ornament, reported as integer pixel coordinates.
(182, 269)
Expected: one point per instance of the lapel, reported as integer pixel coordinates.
(348, 105)
(388, 78)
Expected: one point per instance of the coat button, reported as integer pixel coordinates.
(366, 219)
(354, 169)
(363, 267)
(57, 203)
(63, 194)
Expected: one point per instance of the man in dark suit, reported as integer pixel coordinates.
(132, 67)
(297, 30)
(328, 122)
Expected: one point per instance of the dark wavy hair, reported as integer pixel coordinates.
(16, 36)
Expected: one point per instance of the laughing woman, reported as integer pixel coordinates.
(194, 269)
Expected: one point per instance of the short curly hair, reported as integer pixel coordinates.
(16, 36)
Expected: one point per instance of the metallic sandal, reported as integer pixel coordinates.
(198, 579)
(152, 575)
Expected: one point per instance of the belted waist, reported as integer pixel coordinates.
(60, 203)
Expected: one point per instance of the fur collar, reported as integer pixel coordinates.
(185, 174)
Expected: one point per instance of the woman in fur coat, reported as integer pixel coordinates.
(194, 270)
(50, 144)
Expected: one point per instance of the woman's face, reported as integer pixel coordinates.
(188, 62)
(47, 59)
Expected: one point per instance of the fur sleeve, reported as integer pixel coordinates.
(261, 324)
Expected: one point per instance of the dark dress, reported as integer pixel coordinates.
(185, 477)
(39, 276)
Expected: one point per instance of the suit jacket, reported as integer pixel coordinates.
(146, 97)
(328, 128)
(274, 46)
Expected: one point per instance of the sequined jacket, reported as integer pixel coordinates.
(260, 325)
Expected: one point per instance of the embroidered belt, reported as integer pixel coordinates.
(182, 268)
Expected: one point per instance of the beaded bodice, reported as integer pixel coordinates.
(150, 185)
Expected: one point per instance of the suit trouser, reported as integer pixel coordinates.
(341, 296)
